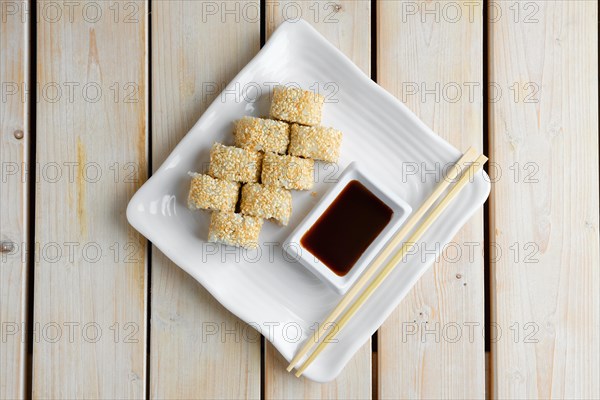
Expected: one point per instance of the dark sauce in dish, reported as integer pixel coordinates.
(347, 228)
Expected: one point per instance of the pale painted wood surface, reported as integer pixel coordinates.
(544, 208)
(347, 24)
(543, 139)
(14, 154)
(429, 60)
(90, 270)
(196, 51)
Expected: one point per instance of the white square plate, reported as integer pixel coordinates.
(279, 297)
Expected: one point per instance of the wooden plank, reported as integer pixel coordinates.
(14, 157)
(544, 208)
(429, 55)
(347, 24)
(90, 272)
(197, 48)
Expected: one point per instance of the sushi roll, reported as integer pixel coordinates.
(234, 229)
(268, 202)
(296, 105)
(259, 134)
(288, 171)
(211, 193)
(316, 142)
(234, 164)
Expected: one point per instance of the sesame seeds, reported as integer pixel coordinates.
(287, 171)
(234, 164)
(260, 161)
(267, 202)
(316, 142)
(234, 229)
(212, 194)
(296, 105)
(260, 134)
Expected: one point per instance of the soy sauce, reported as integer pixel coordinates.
(347, 228)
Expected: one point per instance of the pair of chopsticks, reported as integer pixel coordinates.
(476, 163)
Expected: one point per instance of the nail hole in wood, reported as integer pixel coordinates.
(7, 247)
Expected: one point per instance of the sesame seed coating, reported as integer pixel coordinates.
(266, 202)
(287, 171)
(212, 193)
(234, 229)
(316, 142)
(259, 134)
(234, 164)
(296, 105)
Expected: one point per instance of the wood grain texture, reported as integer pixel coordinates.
(90, 270)
(429, 55)
(198, 348)
(347, 24)
(14, 159)
(544, 208)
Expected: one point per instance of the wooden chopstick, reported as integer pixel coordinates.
(454, 171)
(393, 262)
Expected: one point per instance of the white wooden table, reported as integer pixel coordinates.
(95, 94)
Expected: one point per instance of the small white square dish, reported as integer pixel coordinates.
(349, 241)
(275, 295)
